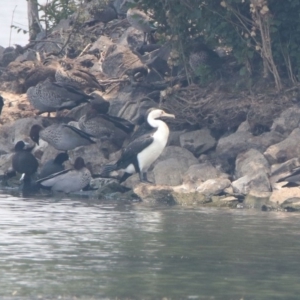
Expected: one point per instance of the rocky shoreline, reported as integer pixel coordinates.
(237, 169)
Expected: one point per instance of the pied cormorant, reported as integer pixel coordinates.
(143, 151)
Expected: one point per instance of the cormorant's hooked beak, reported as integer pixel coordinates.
(168, 115)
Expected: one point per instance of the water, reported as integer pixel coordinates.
(61, 249)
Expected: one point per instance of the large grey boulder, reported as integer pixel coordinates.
(286, 149)
(282, 170)
(171, 165)
(252, 171)
(13, 132)
(213, 186)
(287, 121)
(199, 173)
(198, 141)
(118, 60)
(230, 146)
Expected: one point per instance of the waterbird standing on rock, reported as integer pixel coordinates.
(70, 180)
(67, 73)
(49, 96)
(62, 137)
(54, 165)
(143, 151)
(23, 160)
(139, 20)
(102, 125)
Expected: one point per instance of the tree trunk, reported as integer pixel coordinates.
(32, 10)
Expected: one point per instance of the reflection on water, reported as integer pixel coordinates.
(77, 248)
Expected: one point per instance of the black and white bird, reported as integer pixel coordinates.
(144, 150)
(70, 180)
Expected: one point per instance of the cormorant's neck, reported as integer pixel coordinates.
(155, 123)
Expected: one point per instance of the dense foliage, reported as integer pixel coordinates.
(263, 35)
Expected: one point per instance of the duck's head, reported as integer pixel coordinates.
(61, 158)
(20, 145)
(35, 133)
(79, 163)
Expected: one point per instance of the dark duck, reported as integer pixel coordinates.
(54, 165)
(98, 123)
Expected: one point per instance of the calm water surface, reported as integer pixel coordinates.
(86, 249)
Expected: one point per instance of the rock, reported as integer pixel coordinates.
(180, 153)
(229, 147)
(174, 138)
(9, 55)
(287, 121)
(281, 170)
(102, 43)
(252, 171)
(259, 201)
(244, 126)
(198, 141)
(131, 38)
(92, 156)
(284, 196)
(171, 165)
(285, 150)
(178, 195)
(252, 184)
(155, 194)
(170, 171)
(250, 162)
(291, 205)
(13, 132)
(118, 60)
(199, 173)
(5, 163)
(213, 186)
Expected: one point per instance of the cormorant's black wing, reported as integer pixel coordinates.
(131, 151)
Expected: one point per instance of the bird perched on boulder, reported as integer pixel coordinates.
(102, 125)
(70, 180)
(139, 154)
(67, 73)
(49, 96)
(62, 137)
(139, 20)
(23, 161)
